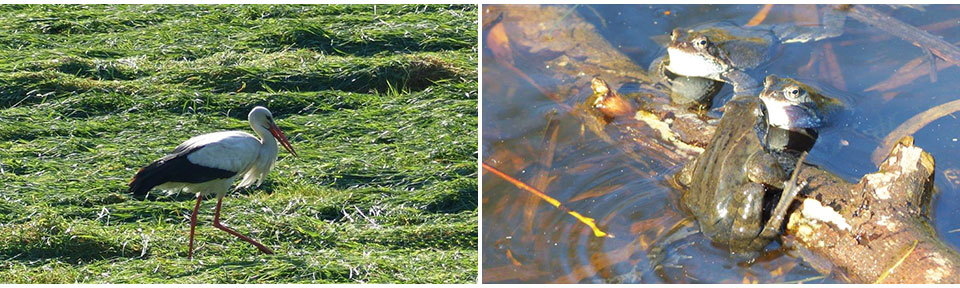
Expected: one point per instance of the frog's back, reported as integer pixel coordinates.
(720, 169)
(746, 47)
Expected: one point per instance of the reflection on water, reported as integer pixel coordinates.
(535, 140)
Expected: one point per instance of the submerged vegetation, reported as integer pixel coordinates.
(379, 101)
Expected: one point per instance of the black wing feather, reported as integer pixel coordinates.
(174, 168)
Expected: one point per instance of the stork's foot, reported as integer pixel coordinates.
(216, 223)
(262, 248)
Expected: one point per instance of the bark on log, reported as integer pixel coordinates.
(876, 230)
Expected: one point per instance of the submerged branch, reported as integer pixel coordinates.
(760, 16)
(910, 33)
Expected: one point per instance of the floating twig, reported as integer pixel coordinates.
(542, 179)
(556, 203)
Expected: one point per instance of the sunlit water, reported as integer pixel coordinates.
(526, 240)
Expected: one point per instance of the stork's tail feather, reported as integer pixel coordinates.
(158, 172)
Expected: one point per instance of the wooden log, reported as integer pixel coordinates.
(876, 230)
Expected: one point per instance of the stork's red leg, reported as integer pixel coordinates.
(193, 225)
(216, 223)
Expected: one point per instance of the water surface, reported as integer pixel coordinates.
(532, 138)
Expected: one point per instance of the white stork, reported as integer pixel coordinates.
(210, 163)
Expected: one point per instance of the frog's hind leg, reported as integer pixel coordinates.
(746, 224)
(831, 26)
(743, 84)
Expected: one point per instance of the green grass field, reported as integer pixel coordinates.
(379, 101)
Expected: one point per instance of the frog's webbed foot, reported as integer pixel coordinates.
(666, 251)
(685, 177)
(790, 191)
(760, 125)
(833, 21)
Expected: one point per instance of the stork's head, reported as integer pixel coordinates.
(261, 118)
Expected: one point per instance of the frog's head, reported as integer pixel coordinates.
(692, 54)
(789, 104)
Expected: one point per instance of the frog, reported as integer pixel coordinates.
(714, 50)
(789, 104)
(727, 187)
(790, 116)
(724, 51)
(695, 93)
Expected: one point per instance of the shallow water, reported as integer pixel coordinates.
(529, 137)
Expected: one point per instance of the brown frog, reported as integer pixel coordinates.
(724, 51)
(727, 186)
(790, 115)
(711, 50)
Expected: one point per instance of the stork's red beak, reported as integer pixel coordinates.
(282, 138)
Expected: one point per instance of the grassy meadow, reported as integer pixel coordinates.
(380, 103)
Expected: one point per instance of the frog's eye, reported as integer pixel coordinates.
(794, 92)
(701, 42)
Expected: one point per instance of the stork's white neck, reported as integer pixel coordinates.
(268, 143)
(266, 154)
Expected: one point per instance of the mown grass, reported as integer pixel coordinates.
(379, 101)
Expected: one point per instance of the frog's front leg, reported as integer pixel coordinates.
(762, 167)
(750, 233)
